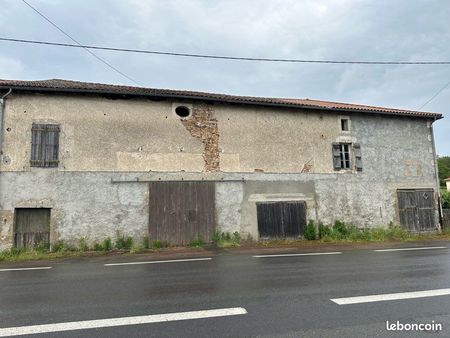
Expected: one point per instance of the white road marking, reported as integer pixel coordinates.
(122, 321)
(413, 248)
(391, 296)
(25, 269)
(300, 254)
(159, 262)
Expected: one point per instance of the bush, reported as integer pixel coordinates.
(58, 246)
(123, 242)
(310, 231)
(225, 239)
(107, 244)
(146, 242)
(196, 243)
(324, 231)
(445, 199)
(340, 230)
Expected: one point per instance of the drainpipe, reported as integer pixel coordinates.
(2, 119)
(436, 174)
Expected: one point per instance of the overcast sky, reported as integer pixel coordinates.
(343, 30)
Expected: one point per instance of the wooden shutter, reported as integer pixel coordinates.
(336, 151)
(358, 160)
(44, 145)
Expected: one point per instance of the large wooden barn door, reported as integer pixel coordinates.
(32, 227)
(416, 209)
(182, 211)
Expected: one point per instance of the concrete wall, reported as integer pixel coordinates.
(110, 148)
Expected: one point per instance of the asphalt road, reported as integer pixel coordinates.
(288, 296)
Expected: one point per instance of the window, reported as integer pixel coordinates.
(344, 123)
(347, 156)
(44, 145)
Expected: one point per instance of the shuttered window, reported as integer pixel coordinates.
(44, 145)
(342, 156)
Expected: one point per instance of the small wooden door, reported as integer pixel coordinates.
(182, 211)
(32, 227)
(281, 219)
(416, 209)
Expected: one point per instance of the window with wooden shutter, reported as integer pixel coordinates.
(337, 156)
(358, 160)
(44, 145)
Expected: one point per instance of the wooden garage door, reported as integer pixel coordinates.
(281, 219)
(182, 211)
(416, 209)
(32, 227)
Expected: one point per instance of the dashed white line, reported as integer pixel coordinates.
(121, 321)
(391, 296)
(299, 254)
(413, 248)
(26, 269)
(159, 262)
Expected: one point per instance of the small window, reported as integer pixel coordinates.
(344, 125)
(44, 145)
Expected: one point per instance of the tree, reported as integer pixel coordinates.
(443, 168)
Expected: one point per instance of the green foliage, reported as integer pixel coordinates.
(107, 244)
(324, 231)
(98, 247)
(310, 231)
(58, 246)
(445, 199)
(124, 243)
(145, 242)
(196, 243)
(443, 168)
(157, 244)
(82, 245)
(341, 230)
(225, 239)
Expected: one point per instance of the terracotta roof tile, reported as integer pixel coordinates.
(90, 87)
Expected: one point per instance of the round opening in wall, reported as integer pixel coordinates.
(182, 111)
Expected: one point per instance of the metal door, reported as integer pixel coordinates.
(182, 211)
(32, 227)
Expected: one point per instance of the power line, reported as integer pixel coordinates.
(79, 44)
(224, 57)
(435, 95)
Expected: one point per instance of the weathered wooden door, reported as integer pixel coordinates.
(32, 227)
(182, 211)
(281, 219)
(416, 209)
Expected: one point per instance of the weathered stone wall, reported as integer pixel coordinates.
(254, 154)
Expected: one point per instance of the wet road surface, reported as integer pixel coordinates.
(277, 296)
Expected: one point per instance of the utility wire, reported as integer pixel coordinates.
(434, 96)
(224, 57)
(79, 44)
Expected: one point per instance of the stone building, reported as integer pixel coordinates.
(87, 160)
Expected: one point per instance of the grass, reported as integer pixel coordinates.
(340, 232)
(226, 240)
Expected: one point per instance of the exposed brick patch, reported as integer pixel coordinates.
(203, 125)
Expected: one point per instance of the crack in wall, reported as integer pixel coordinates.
(202, 125)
